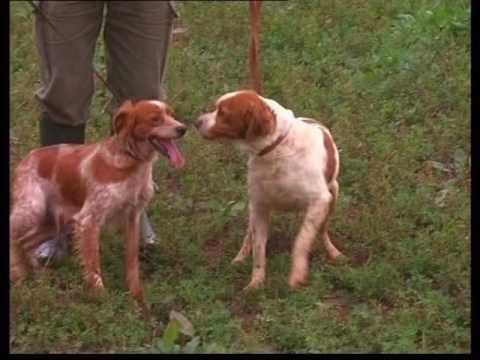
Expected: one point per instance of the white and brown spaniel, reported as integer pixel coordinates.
(293, 165)
(84, 187)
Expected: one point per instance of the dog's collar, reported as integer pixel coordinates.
(273, 145)
(127, 148)
(132, 155)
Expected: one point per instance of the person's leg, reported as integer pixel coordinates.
(66, 56)
(137, 35)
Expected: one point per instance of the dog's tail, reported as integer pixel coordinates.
(333, 163)
(254, 57)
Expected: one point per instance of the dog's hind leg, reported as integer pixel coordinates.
(315, 218)
(332, 251)
(19, 266)
(28, 215)
(27, 230)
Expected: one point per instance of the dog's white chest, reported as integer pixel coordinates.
(290, 181)
(283, 184)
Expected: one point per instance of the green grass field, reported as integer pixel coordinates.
(391, 79)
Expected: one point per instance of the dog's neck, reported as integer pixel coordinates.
(124, 151)
(269, 144)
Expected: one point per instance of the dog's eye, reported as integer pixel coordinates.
(156, 119)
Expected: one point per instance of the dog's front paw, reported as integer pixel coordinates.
(239, 259)
(252, 286)
(337, 257)
(242, 255)
(255, 283)
(298, 278)
(96, 283)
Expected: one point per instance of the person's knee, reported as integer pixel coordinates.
(67, 99)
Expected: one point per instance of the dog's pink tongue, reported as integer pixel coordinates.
(174, 155)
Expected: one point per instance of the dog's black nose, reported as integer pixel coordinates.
(181, 130)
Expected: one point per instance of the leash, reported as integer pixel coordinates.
(254, 58)
(277, 142)
(38, 11)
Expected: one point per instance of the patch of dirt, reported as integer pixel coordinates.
(360, 257)
(339, 302)
(240, 281)
(173, 183)
(278, 243)
(247, 313)
(387, 306)
(214, 250)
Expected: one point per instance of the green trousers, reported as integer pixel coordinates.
(136, 38)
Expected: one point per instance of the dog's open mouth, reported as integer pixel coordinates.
(169, 149)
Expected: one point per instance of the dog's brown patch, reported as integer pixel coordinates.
(243, 116)
(137, 119)
(72, 185)
(47, 158)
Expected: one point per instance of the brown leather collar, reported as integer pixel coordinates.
(273, 145)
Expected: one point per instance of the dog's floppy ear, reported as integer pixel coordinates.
(121, 117)
(261, 121)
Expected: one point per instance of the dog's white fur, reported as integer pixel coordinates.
(289, 177)
(112, 180)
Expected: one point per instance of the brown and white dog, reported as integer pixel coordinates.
(293, 165)
(83, 187)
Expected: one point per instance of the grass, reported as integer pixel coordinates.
(392, 81)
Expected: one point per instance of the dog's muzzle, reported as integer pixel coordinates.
(181, 130)
(199, 122)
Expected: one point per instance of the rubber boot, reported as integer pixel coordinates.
(54, 250)
(52, 133)
(147, 233)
